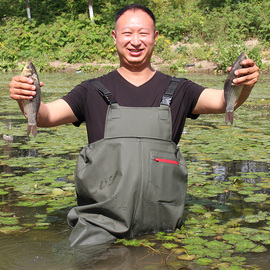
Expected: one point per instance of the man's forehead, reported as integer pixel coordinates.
(132, 16)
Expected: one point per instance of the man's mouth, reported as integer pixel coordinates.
(135, 52)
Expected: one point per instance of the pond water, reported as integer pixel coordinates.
(227, 220)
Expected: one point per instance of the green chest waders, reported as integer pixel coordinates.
(134, 180)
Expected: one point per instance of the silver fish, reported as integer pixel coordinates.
(31, 106)
(231, 91)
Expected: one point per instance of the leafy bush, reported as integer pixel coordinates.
(62, 30)
(225, 55)
(162, 48)
(73, 41)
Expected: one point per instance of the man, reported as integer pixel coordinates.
(131, 179)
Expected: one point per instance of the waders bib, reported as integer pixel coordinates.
(134, 180)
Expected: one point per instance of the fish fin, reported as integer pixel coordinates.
(229, 117)
(34, 130)
(29, 128)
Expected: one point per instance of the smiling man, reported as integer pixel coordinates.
(131, 179)
(135, 39)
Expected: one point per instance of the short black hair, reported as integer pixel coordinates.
(134, 7)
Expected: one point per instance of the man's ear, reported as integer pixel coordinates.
(114, 36)
(156, 35)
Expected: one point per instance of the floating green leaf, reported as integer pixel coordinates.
(233, 238)
(204, 261)
(187, 257)
(3, 192)
(259, 249)
(245, 246)
(169, 245)
(257, 198)
(11, 229)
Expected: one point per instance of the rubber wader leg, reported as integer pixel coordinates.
(85, 233)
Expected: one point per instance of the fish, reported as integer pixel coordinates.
(232, 91)
(31, 107)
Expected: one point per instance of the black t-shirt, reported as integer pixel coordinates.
(89, 106)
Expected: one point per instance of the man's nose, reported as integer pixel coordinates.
(135, 39)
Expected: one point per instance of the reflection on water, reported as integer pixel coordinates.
(47, 250)
(32, 250)
(240, 167)
(51, 251)
(37, 247)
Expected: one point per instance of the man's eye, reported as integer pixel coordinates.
(144, 33)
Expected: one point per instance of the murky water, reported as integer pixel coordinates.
(228, 177)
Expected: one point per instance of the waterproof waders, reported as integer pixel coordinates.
(134, 180)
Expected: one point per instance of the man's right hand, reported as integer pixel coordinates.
(22, 87)
(51, 114)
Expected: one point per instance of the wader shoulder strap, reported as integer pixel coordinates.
(168, 95)
(105, 93)
(109, 98)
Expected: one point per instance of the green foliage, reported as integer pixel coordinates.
(62, 30)
(134, 242)
(73, 41)
(225, 55)
(42, 11)
(162, 48)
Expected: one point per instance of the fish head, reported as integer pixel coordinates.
(237, 65)
(243, 56)
(28, 69)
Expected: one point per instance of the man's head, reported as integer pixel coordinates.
(135, 36)
(134, 7)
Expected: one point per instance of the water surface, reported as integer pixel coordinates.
(229, 185)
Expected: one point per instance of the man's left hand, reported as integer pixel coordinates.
(248, 75)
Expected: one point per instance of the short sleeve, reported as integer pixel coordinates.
(183, 103)
(76, 100)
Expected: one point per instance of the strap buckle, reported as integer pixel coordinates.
(168, 95)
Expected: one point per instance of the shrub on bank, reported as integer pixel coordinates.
(220, 31)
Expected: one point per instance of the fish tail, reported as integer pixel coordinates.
(32, 128)
(229, 117)
(29, 128)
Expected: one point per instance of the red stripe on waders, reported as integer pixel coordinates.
(166, 160)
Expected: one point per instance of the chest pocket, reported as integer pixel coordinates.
(166, 173)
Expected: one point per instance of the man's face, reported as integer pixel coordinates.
(135, 37)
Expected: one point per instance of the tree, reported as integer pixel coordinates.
(28, 10)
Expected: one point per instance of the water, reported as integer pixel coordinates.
(228, 177)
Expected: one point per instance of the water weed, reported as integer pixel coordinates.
(226, 221)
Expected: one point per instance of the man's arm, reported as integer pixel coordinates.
(213, 101)
(51, 114)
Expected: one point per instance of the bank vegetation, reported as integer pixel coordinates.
(191, 32)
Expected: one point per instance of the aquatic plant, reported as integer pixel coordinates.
(226, 218)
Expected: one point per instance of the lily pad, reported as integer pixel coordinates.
(3, 192)
(204, 261)
(9, 220)
(257, 198)
(179, 250)
(11, 229)
(252, 219)
(169, 245)
(259, 249)
(186, 257)
(245, 246)
(58, 192)
(233, 238)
